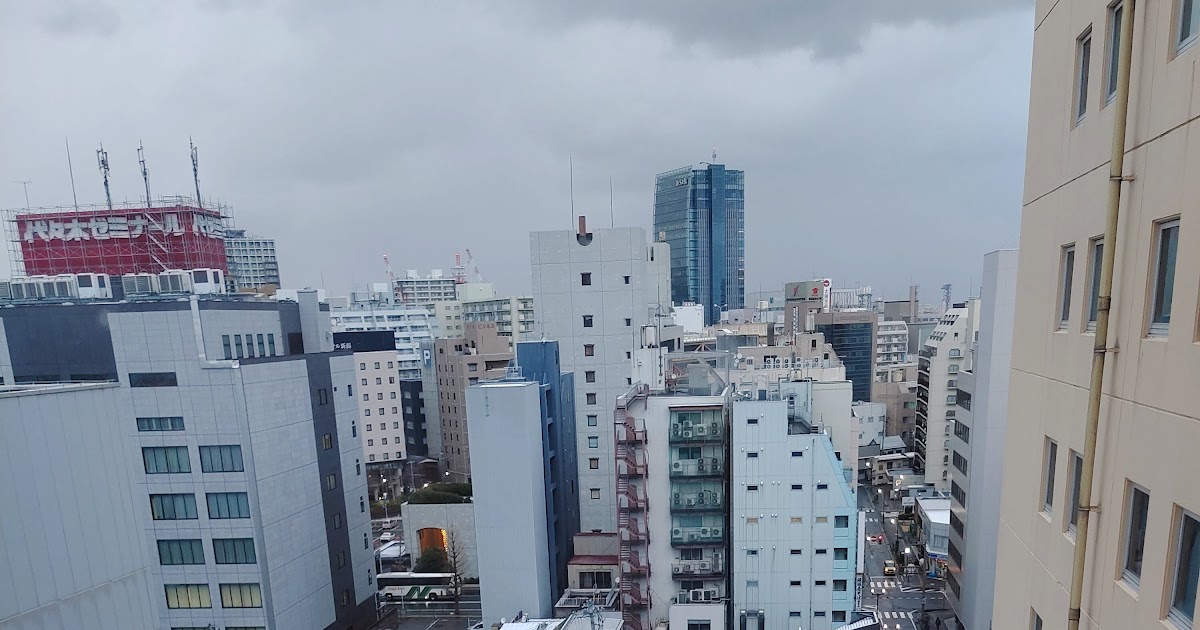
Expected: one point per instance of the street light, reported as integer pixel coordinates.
(385, 515)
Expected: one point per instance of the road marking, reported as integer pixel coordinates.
(893, 614)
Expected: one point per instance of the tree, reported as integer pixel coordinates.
(432, 560)
(455, 559)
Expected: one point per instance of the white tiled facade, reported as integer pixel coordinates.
(251, 259)
(891, 343)
(513, 315)
(380, 406)
(944, 354)
(795, 524)
(415, 290)
(410, 325)
(626, 278)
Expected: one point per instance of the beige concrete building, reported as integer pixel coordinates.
(459, 362)
(896, 387)
(379, 401)
(1143, 553)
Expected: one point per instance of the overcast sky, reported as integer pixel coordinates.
(883, 142)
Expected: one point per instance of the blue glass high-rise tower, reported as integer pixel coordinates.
(700, 211)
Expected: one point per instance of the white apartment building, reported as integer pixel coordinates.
(594, 292)
(374, 310)
(891, 343)
(414, 289)
(872, 422)
(672, 437)
(251, 259)
(977, 447)
(945, 353)
(180, 488)
(794, 550)
(1141, 562)
(513, 316)
(380, 404)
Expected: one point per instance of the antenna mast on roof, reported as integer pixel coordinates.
(71, 170)
(196, 172)
(145, 172)
(102, 161)
(571, 163)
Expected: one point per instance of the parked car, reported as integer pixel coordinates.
(875, 538)
(387, 537)
(889, 567)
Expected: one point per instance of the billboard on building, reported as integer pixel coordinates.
(364, 340)
(811, 290)
(119, 240)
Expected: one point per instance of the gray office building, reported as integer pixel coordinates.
(152, 481)
(252, 261)
(700, 212)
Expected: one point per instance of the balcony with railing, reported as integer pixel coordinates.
(697, 426)
(697, 468)
(698, 535)
(697, 500)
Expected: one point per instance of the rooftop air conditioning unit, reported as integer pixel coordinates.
(174, 282)
(139, 283)
(5, 290)
(93, 285)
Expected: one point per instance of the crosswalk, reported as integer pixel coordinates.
(884, 583)
(892, 614)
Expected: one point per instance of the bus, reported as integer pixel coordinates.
(415, 586)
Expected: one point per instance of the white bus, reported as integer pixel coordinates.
(415, 586)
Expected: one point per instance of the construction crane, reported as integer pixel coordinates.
(474, 267)
(459, 272)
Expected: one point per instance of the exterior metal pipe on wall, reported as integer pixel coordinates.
(1103, 309)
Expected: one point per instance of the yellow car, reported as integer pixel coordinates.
(889, 567)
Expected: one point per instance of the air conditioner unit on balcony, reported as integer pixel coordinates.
(711, 594)
(705, 565)
(677, 569)
(677, 466)
(696, 595)
(693, 537)
(700, 430)
(700, 465)
(687, 433)
(676, 498)
(716, 532)
(683, 598)
(690, 502)
(713, 429)
(704, 532)
(676, 533)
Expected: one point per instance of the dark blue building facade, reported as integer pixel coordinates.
(700, 211)
(854, 342)
(539, 361)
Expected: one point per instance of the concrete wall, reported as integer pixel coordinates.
(458, 518)
(510, 489)
(73, 553)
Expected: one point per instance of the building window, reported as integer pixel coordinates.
(1035, 620)
(331, 480)
(822, 486)
(585, 279)
(376, 365)
(589, 350)
(1083, 64)
(595, 493)
(262, 346)
(183, 551)
(587, 321)
(593, 442)
(215, 459)
(752, 455)
(234, 551)
(698, 624)
(1186, 570)
(841, 522)
(797, 486)
(1189, 24)
(592, 420)
(173, 507)
(752, 520)
(1097, 260)
(751, 552)
(1048, 466)
(797, 453)
(152, 379)
(820, 552)
(226, 348)
(1137, 508)
(223, 505)
(327, 441)
(1115, 13)
(366, 412)
(752, 488)
(595, 579)
(166, 459)
(796, 520)
(589, 376)
(594, 463)
(839, 585)
(1076, 480)
(364, 384)
(241, 596)
(237, 346)
(796, 552)
(187, 596)
(590, 398)
(1166, 248)
(271, 343)
(628, 322)
(626, 279)
(839, 615)
(170, 423)
(839, 553)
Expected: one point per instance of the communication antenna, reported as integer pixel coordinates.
(946, 303)
(571, 163)
(145, 172)
(102, 161)
(196, 172)
(71, 170)
(611, 217)
(714, 154)
(25, 184)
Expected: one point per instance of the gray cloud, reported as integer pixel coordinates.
(79, 17)
(833, 28)
(419, 129)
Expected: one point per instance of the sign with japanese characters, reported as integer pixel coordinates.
(128, 226)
